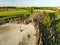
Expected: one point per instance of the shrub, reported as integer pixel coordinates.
(47, 20)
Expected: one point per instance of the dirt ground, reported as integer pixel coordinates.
(17, 34)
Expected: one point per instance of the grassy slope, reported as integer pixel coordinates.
(58, 30)
(57, 26)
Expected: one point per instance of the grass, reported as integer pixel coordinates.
(11, 14)
(37, 10)
(19, 13)
(57, 26)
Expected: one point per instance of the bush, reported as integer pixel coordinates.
(47, 20)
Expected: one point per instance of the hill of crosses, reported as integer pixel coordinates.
(44, 25)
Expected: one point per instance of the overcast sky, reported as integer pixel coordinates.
(30, 3)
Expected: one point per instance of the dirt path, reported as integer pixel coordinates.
(12, 34)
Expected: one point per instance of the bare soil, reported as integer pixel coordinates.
(17, 34)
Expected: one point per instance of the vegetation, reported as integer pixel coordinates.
(12, 14)
(47, 21)
(51, 21)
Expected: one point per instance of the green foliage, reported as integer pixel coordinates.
(53, 15)
(12, 14)
(47, 20)
(30, 9)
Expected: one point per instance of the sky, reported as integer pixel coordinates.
(23, 3)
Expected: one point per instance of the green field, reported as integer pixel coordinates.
(12, 14)
(19, 13)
